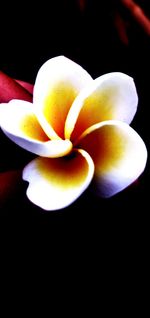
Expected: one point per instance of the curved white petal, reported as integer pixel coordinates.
(58, 82)
(19, 123)
(56, 183)
(119, 155)
(17, 118)
(112, 96)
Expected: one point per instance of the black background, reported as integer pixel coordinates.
(113, 231)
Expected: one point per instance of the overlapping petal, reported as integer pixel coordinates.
(28, 86)
(119, 155)
(111, 96)
(56, 183)
(20, 124)
(58, 83)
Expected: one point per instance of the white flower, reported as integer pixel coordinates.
(79, 128)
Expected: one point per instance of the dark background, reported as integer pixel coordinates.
(90, 229)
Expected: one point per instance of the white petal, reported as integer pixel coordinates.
(119, 155)
(56, 183)
(19, 123)
(17, 118)
(58, 83)
(112, 96)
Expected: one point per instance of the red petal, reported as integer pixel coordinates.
(29, 87)
(10, 89)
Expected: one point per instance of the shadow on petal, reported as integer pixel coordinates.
(9, 185)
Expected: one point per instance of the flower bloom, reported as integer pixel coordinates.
(79, 128)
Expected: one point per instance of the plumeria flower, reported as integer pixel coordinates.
(79, 128)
